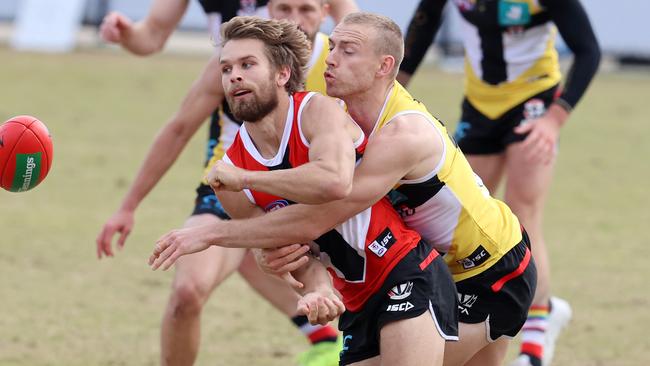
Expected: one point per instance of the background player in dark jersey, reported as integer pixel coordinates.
(197, 277)
(513, 112)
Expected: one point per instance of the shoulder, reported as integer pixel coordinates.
(320, 106)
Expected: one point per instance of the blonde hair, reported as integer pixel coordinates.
(387, 35)
(284, 44)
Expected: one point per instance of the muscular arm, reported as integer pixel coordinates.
(150, 34)
(419, 36)
(328, 175)
(202, 99)
(340, 8)
(402, 149)
(571, 20)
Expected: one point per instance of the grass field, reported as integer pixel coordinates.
(60, 306)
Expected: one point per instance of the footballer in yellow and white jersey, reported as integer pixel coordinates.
(449, 206)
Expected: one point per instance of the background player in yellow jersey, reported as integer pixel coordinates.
(197, 277)
(485, 248)
(512, 114)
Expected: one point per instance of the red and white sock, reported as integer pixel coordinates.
(315, 333)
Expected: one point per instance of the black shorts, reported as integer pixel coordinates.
(206, 202)
(477, 134)
(407, 293)
(501, 294)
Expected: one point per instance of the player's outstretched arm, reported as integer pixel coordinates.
(202, 99)
(148, 35)
(319, 301)
(326, 177)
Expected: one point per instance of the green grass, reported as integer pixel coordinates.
(60, 306)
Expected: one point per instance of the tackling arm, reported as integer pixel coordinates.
(394, 152)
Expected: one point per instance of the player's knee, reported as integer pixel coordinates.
(187, 299)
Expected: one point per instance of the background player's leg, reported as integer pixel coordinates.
(196, 277)
(525, 192)
(414, 342)
(489, 168)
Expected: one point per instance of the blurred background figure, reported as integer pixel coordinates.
(511, 116)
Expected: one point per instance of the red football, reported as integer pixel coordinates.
(25, 153)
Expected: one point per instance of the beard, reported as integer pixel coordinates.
(255, 108)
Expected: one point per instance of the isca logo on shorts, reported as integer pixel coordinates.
(401, 291)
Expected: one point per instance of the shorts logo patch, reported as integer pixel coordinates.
(346, 345)
(404, 306)
(478, 257)
(533, 109)
(382, 243)
(401, 291)
(465, 303)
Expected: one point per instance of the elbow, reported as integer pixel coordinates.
(336, 189)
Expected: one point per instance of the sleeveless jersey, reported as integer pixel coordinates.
(450, 207)
(224, 129)
(509, 53)
(360, 252)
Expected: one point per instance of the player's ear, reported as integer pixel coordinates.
(283, 76)
(387, 65)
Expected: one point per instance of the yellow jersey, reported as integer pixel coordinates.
(450, 207)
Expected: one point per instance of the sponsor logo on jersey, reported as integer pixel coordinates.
(465, 303)
(513, 13)
(478, 257)
(404, 306)
(276, 205)
(382, 243)
(401, 291)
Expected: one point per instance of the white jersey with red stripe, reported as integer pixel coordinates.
(360, 252)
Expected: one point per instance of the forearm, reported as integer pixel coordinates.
(198, 104)
(311, 183)
(314, 277)
(164, 151)
(575, 28)
(144, 39)
(420, 34)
